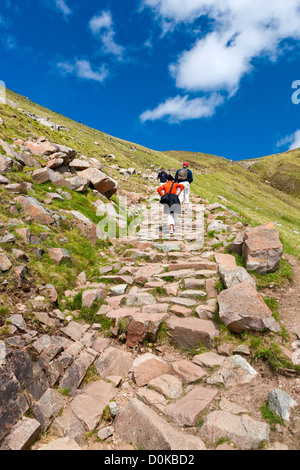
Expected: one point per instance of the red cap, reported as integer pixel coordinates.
(185, 164)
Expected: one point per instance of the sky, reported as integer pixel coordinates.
(214, 76)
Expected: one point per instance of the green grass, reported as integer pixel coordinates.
(278, 279)
(270, 416)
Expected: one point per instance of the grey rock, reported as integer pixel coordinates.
(114, 409)
(234, 371)
(280, 403)
(48, 407)
(235, 276)
(13, 404)
(105, 433)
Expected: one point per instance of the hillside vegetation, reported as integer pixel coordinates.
(246, 191)
(282, 171)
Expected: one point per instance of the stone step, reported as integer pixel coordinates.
(189, 332)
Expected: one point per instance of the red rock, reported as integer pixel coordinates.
(210, 286)
(24, 234)
(146, 272)
(225, 261)
(189, 332)
(5, 263)
(243, 308)
(35, 210)
(200, 265)
(187, 371)
(144, 326)
(186, 411)
(59, 255)
(40, 149)
(114, 361)
(147, 367)
(262, 249)
(101, 182)
(181, 311)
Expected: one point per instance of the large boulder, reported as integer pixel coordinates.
(35, 210)
(262, 249)
(243, 308)
(100, 181)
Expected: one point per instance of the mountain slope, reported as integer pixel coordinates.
(246, 192)
(281, 170)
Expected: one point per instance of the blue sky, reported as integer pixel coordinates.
(212, 76)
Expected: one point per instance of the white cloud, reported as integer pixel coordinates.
(242, 30)
(83, 69)
(295, 144)
(182, 108)
(102, 26)
(63, 7)
(293, 141)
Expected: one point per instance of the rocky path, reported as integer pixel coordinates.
(164, 376)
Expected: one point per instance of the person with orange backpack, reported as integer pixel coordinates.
(169, 194)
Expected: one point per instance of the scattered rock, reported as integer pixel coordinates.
(243, 308)
(59, 255)
(141, 426)
(262, 249)
(114, 361)
(147, 367)
(188, 332)
(280, 403)
(35, 210)
(22, 435)
(234, 371)
(89, 404)
(242, 431)
(186, 411)
(167, 385)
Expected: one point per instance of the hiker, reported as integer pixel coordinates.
(162, 176)
(169, 193)
(185, 177)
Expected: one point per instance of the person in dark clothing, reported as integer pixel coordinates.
(162, 176)
(185, 177)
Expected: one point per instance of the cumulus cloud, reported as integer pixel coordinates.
(182, 108)
(102, 26)
(242, 30)
(293, 141)
(83, 70)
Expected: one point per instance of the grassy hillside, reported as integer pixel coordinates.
(245, 191)
(281, 170)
